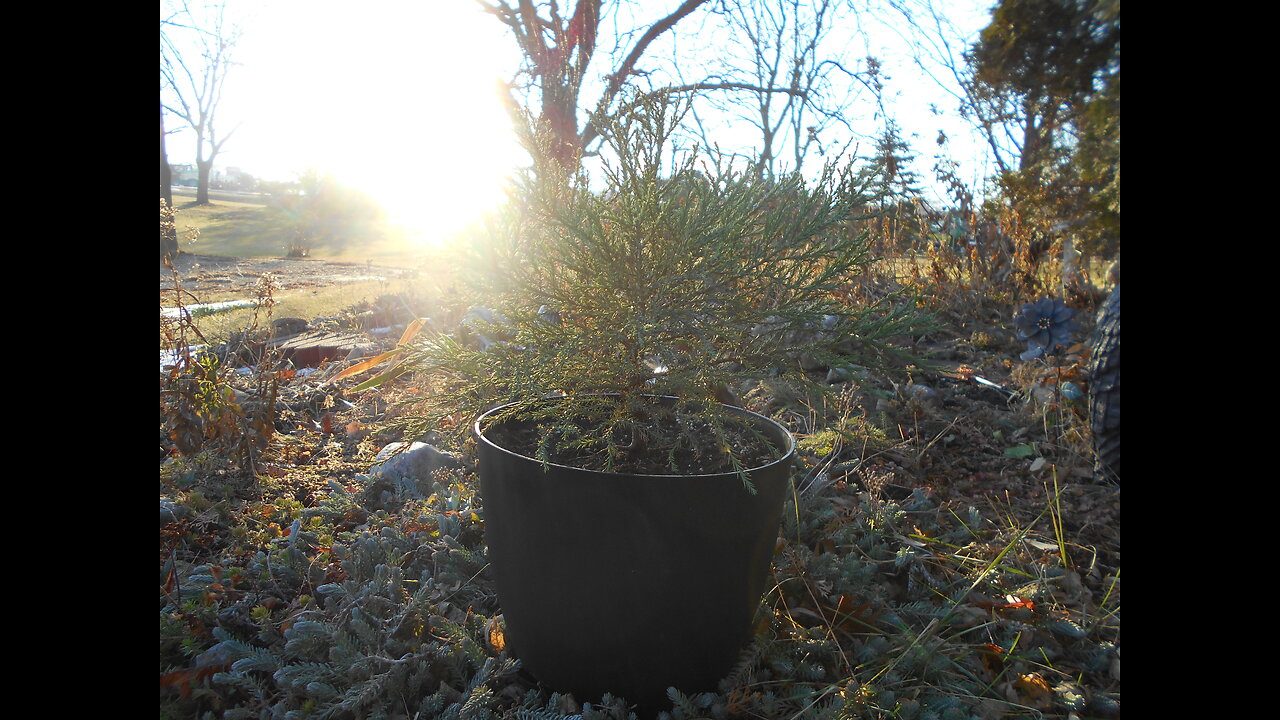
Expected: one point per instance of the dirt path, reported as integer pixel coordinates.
(204, 275)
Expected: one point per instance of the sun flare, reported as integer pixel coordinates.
(398, 99)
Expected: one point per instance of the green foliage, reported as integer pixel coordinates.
(855, 433)
(893, 177)
(1054, 47)
(893, 188)
(684, 284)
(1054, 70)
(1098, 163)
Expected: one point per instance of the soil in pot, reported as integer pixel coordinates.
(669, 437)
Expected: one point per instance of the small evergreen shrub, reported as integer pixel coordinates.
(683, 284)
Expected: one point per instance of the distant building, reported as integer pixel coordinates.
(233, 178)
(184, 174)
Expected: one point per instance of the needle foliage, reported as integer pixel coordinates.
(680, 282)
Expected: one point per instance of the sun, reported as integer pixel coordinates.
(440, 171)
(396, 98)
(448, 169)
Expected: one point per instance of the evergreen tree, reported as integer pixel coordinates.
(894, 185)
(1051, 68)
(892, 164)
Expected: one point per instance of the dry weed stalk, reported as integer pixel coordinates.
(199, 407)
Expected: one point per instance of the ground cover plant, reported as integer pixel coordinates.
(945, 553)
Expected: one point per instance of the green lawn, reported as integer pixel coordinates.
(250, 227)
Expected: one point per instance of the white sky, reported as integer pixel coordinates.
(396, 97)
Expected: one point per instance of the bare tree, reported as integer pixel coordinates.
(195, 58)
(783, 53)
(168, 232)
(1015, 129)
(557, 52)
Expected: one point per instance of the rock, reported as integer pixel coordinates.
(549, 316)
(845, 373)
(285, 326)
(810, 363)
(924, 394)
(1042, 394)
(776, 327)
(170, 511)
(311, 349)
(838, 375)
(221, 654)
(413, 461)
(482, 328)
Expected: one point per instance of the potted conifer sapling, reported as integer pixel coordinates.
(631, 509)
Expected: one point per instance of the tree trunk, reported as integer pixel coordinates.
(202, 184)
(169, 236)
(559, 118)
(166, 174)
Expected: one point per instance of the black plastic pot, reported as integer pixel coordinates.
(629, 584)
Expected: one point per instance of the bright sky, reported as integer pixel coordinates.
(393, 97)
(396, 97)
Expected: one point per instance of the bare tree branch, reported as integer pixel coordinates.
(785, 74)
(619, 76)
(195, 73)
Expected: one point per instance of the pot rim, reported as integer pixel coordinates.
(786, 456)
